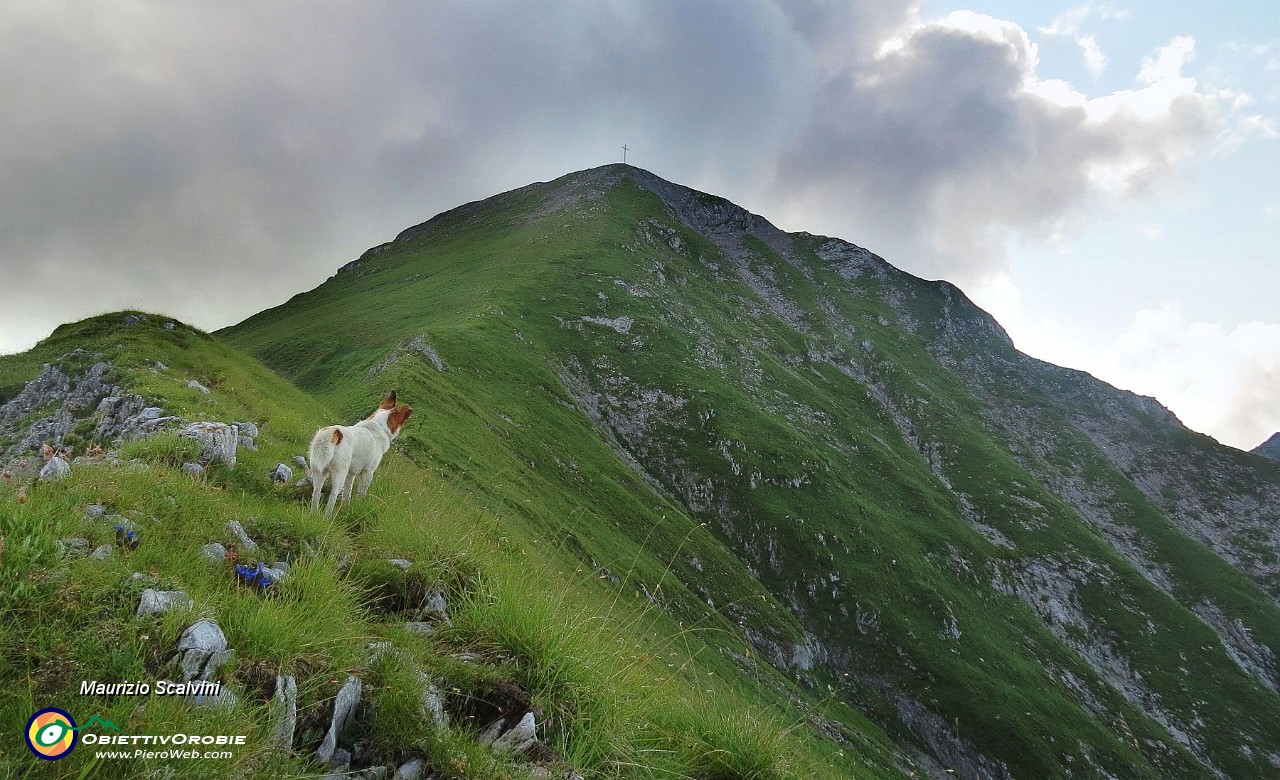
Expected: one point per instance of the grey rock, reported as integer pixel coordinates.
(132, 319)
(280, 567)
(150, 413)
(242, 537)
(205, 639)
(276, 574)
(161, 366)
(56, 468)
(344, 707)
(341, 759)
(248, 429)
(214, 551)
(514, 740)
(156, 601)
(169, 325)
(103, 552)
(284, 706)
(433, 702)
(410, 770)
(435, 607)
(94, 511)
(300, 462)
(89, 390)
(420, 345)
(400, 563)
(376, 773)
(193, 469)
(420, 627)
(50, 385)
(138, 576)
(194, 385)
(118, 417)
(281, 474)
(218, 440)
(247, 443)
(620, 324)
(224, 700)
(75, 543)
(377, 649)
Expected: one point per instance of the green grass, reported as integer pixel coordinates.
(608, 674)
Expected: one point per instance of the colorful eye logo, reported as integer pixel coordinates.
(51, 733)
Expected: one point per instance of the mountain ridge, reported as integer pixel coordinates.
(742, 371)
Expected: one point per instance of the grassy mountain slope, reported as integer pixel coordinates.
(1014, 569)
(621, 689)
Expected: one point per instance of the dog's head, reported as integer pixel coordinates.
(392, 413)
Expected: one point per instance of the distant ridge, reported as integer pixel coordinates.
(1269, 448)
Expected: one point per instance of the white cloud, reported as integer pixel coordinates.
(1167, 61)
(1242, 128)
(1070, 21)
(1069, 24)
(1094, 59)
(1215, 377)
(938, 152)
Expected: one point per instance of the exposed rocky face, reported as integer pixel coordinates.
(1101, 454)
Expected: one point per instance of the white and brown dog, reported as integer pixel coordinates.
(344, 452)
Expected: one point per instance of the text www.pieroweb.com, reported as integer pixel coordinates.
(170, 746)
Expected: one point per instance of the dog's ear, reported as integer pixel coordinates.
(388, 401)
(397, 418)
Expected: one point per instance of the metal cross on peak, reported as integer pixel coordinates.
(624, 154)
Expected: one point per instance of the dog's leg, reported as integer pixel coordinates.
(335, 492)
(366, 478)
(317, 484)
(346, 491)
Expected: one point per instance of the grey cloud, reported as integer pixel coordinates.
(934, 154)
(212, 159)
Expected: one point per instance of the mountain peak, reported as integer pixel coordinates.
(1269, 448)
(848, 463)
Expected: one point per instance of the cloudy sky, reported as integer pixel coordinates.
(1101, 177)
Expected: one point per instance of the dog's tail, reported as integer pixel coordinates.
(322, 448)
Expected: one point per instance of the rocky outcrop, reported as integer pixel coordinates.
(218, 440)
(72, 409)
(417, 346)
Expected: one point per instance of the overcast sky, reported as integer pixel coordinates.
(1101, 177)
